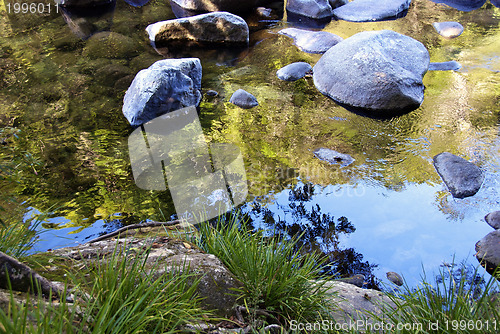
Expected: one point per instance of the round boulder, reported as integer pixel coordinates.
(488, 251)
(314, 9)
(243, 99)
(165, 86)
(462, 177)
(374, 71)
(372, 10)
(294, 71)
(493, 219)
(448, 29)
(219, 28)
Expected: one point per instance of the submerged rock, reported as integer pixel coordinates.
(462, 177)
(463, 5)
(375, 71)
(243, 99)
(448, 29)
(493, 219)
(108, 44)
(165, 86)
(294, 71)
(445, 66)
(312, 41)
(219, 28)
(488, 251)
(372, 10)
(333, 157)
(315, 9)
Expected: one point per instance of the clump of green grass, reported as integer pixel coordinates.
(453, 304)
(117, 295)
(17, 238)
(275, 276)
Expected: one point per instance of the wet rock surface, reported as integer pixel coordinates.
(312, 41)
(493, 219)
(462, 177)
(374, 71)
(232, 6)
(445, 66)
(488, 251)
(337, 3)
(108, 44)
(315, 9)
(448, 29)
(371, 10)
(294, 71)
(243, 99)
(220, 28)
(333, 157)
(165, 86)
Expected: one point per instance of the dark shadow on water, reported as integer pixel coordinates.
(463, 5)
(319, 232)
(378, 114)
(84, 22)
(307, 22)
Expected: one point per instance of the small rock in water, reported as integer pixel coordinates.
(448, 29)
(493, 219)
(212, 93)
(315, 9)
(243, 99)
(394, 278)
(294, 71)
(488, 251)
(462, 177)
(312, 41)
(445, 66)
(333, 157)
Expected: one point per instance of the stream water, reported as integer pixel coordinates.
(387, 211)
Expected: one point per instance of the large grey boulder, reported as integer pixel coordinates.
(233, 6)
(488, 251)
(462, 177)
(293, 71)
(165, 86)
(312, 41)
(315, 9)
(219, 28)
(493, 219)
(463, 5)
(371, 10)
(374, 71)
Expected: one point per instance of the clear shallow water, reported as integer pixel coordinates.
(65, 95)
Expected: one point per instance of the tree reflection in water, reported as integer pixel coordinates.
(320, 232)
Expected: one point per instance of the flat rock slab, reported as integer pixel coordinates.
(463, 5)
(371, 10)
(488, 251)
(354, 303)
(448, 29)
(312, 41)
(243, 99)
(462, 177)
(379, 72)
(315, 9)
(294, 71)
(333, 157)
(445, 66)
(493, 219)
(219, 28)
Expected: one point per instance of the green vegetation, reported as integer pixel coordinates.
(116, 296)
(275, 277)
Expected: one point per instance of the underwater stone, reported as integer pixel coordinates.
(448, 29)
(312, 41)
(333, 157)
(243, 99)
(294, 71)
(445, 66)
